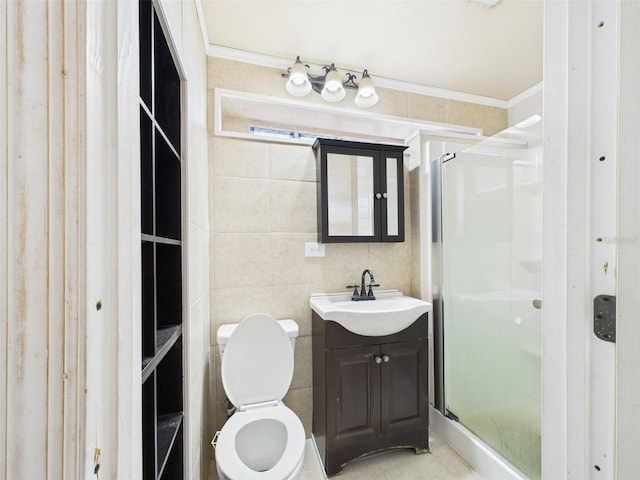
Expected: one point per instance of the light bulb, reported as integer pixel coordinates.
(333, 90)
(367, 96)
(298, 84)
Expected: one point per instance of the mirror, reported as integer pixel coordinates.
(350, 192)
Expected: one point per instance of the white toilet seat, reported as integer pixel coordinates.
(257, 368)
(229, 462)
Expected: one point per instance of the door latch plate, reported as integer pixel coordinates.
(604, 317)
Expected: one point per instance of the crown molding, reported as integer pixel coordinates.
(233, 54)
(530, 92)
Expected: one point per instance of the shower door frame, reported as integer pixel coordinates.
(437, 280)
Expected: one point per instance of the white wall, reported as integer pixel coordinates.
(628, 334)
(69, 235)
(42, 303)
(582, 88)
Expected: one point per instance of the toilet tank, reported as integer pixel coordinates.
(225, 331)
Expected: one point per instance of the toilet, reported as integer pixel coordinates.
(263, 439)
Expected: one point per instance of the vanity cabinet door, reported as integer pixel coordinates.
(353, 395)
(404, 398)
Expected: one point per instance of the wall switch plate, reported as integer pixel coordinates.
(313, 249)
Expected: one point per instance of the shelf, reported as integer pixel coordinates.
(168, 427)
(165, 339)
(155, 239)
(145, 362)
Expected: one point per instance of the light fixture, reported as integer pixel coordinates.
(330, 85)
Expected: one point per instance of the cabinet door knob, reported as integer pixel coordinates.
(378, 196)
(384, 195)
(378, 360)
(385, 358)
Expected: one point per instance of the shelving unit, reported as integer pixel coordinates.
(161, 251)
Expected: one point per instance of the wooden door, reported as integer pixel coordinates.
(404, 396)
(353, 395)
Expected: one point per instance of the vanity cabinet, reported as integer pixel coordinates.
(369, 393)
(360, 191)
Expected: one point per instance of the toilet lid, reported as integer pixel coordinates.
(257, 364)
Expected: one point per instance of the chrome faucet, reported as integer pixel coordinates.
(364, 294)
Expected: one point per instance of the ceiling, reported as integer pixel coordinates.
(464, 46)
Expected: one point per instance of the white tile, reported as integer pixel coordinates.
(293, 207)
(238, 158)
(240, 205)
(241, 260)
(292, 162)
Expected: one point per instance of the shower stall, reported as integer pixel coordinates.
(487, 283)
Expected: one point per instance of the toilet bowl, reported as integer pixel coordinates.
(264, 439)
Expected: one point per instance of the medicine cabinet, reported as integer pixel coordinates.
(360, 191)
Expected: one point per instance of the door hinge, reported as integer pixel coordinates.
(604, 317)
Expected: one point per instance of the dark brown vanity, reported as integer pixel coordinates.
(369, 393)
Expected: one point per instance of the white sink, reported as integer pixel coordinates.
(389, 313)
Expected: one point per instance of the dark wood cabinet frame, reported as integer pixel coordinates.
(379, 153)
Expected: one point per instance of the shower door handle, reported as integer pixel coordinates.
(537, 303)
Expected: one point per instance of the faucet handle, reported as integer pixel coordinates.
(355, 289)
(370, 293)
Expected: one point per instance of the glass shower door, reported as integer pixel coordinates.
(491, 274)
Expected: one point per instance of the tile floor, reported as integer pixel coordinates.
(443, 463)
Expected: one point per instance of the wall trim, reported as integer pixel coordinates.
(203, 26)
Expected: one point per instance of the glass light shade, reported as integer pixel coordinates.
(367, 96)
(298, 84)
(333, 91)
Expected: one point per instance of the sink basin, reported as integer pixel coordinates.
(389, 313)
